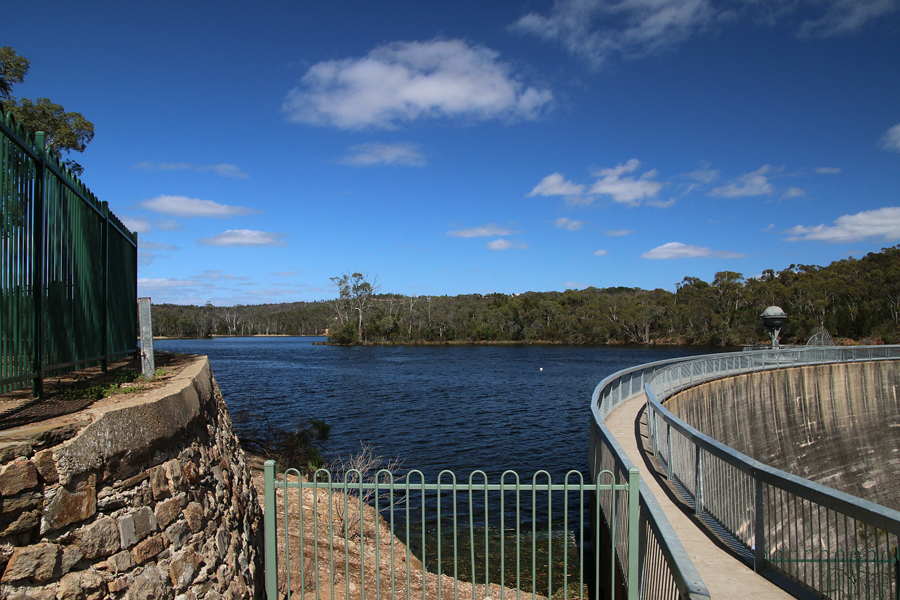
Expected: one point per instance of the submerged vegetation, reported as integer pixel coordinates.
(852, 299)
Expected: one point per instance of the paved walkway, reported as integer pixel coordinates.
(725, 576)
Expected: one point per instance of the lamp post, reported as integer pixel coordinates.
(773, 319)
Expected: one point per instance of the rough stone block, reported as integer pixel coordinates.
(178, 534)
(14, 450)
(191, 473)
(144, 522)
(159, 483)
(17, 476)
(168, 510)
(183, 568)
(99, 539)
(127, 534)
(121, 562)
(174, 475)
(150, 584)
(117, 585)
(148, 549)
(46, 466)
(25, 501)
(69, 504)
(25, 522)
(193, 513)
(37, 562)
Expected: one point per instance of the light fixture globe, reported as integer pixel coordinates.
(773, 319)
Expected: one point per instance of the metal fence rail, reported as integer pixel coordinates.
(830, 542)
(665, 570)
(68, 268)
(378, 536)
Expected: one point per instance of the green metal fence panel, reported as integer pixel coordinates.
(68, 272)
(381, 536)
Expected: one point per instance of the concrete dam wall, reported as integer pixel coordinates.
(835, 424)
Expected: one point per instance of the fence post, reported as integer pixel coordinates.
(271, 557)
(634, 540)
(148, 359)
(104, 294)
(759, 536)
(698, 481)
(37, 269)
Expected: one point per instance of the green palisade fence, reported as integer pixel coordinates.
(68, 268)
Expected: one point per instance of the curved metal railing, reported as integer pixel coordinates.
(830, 542)
(664, 571)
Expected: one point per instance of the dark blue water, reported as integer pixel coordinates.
(438, 407)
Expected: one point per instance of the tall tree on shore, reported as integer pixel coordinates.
(355, 295)
(65, 131)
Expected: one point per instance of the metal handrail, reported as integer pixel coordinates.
(669, 565)
(824, 525)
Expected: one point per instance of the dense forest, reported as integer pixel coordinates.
(856, 300)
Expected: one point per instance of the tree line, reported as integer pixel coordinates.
(853, 299)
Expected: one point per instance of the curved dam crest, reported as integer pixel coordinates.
(835, 424)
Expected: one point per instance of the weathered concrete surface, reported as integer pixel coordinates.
(141, 422)
(725, 576)
(838, 425)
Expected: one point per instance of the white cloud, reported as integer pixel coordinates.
(601, 30)
(168, 225)
(843, 17)
(619, 232)
(407, 81)
(217, 275)
(484, 231)
(568, 224)
(557, 185)
(751, 184)
(881, 223)
(661, 203)
(376, 153)
(891, 138)
(598, 30)
(244, 237)
(601, 253)
(182, 206)
(679, 250)
(626, 190)
(148, 245)
(794, 192)
(705, 174)
(222, 169)
(137, 224)
(828, 170)
(506, 245)
(288, 273)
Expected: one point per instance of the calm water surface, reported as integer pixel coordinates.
(438, 407)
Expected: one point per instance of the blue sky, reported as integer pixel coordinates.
(260, 149)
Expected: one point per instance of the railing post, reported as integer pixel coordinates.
(37, 268)
(670, 469)
(271, 558)
(698, 481)
(759, 535)
(634, 539)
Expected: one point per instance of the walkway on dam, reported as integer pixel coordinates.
(724, 575)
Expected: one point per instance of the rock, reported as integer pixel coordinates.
(70, 588)
(183, 568)
(168, 510)
(46, 466)
(193, 513)
(121, 562)
(159, 483)
(25, 501)
(117, 585)
(178, 534)
(17, 476)
(24, 523)
(70, 557)
(37, 562)
(144, 522)
(99, 539)
(191, 474)
(174, 475)
(127, 534)
(12, 451)
(149, 585)
(148, 549)
(70, 504)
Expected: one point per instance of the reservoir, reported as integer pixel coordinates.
(461, 408)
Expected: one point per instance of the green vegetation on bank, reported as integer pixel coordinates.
(855, 299)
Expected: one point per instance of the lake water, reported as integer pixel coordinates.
(438, 407)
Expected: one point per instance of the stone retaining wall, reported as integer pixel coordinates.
(137, 498)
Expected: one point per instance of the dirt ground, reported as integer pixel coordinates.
(19, 407)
